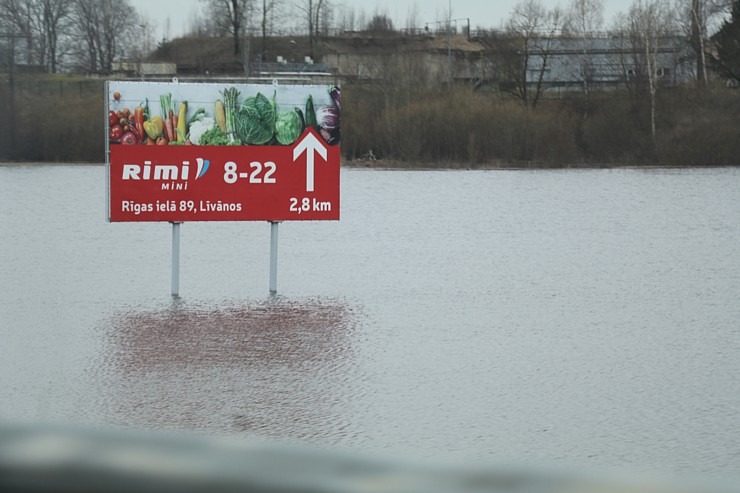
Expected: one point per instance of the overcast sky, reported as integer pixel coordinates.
(483, 13)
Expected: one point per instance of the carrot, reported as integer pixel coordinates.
(168, 126)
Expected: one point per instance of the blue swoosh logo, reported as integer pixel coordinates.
(203, 165)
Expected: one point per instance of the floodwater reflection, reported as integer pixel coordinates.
(587, 317)
(274, 369)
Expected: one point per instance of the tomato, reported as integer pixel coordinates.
(115, 133)
(112, 118)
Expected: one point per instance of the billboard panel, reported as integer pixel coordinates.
(222, 152)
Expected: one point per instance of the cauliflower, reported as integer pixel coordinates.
(198, 128)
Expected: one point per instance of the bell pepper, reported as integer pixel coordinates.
(139, 121)
(154, 127)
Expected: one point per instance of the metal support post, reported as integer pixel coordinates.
(176, 260)
(273, 256)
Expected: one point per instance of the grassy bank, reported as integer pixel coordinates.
(61, 119)
(695, 127)
(52, 119)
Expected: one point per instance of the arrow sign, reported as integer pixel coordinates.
(309, 144)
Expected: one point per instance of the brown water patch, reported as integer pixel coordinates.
(260, 368)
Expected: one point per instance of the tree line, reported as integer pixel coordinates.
(409, 115)
(647, 112)
(523, 50)
(72, 35)
(436, 127)
(89, 35)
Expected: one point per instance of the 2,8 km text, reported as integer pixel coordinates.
(307, 204)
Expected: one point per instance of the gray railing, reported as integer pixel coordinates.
(289, 67)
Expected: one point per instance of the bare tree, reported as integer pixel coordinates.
(698, 33)
(43, 24)
(692, 20)
(230, 17)
(308, 8)
(532, 29)
(104, 27)
(650, 21)
(321, 16)
(721, 8)
(361, 18)
(583, 19)
(412, 18)
(584, 16)
(726, 59)
(21, 16)
(142, 38)
(315, 14)
(346, 19)
(696, 18)
(88, 29)
(266, 9)
(316, 19)
(56, 16)
(326, 19)
(115, 17)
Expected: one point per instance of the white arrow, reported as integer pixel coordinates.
(309, 144)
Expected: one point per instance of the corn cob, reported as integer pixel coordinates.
(182, 122)
(220, 114)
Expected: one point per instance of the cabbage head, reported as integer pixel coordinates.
(255, 120)
(288, 126)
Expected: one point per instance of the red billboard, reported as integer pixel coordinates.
(222, 152)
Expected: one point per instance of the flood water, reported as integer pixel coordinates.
(587, 318)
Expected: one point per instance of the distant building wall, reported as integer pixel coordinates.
(605, 61)
(427, 65)
(144, 69)
(608, 61)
